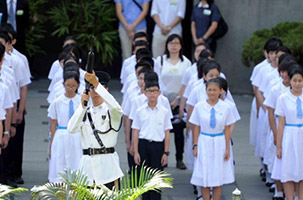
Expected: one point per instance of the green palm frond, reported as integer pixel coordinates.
(132, 186)
(6, 191)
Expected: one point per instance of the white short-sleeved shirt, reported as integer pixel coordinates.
(201, 116)
(17, 62)
(132, 78)
(234, 110)
(266, 69)
(59, 109)
(199, 94)
(272, 84)
(130, 101)
(171, 75)
(5, 98)
(189, 72)
(287, 107)
(257, 69)
(54, 69)
(127, 63)
(152, 123)
(142, 99)
(16, 68)
(274, 93)
(191, 85)
(168, 10)
(134, 89)
(8, 77)
(273, 75)
(24, 60)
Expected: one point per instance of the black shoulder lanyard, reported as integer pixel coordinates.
(137, 4)
(97, 132)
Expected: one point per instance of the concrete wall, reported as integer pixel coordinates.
(244, 17)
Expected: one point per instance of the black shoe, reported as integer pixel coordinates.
(195, 190)
(181, 165)
(19, 180)
(268, 184)
(165, 166)
(262, 172)
(199, 198)
(277, 198)
(272, 190)
(263, 179)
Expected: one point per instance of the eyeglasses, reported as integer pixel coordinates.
(71, 86)
(174, 43)
(151, 91)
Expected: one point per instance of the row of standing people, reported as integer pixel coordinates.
(193, 95)
(167, 16)
(275, 128)
(14, 78)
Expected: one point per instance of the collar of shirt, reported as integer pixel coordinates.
(149, 108)
(294, 98)
(200, 5)
(95, 108)
(216, 106)
(66, 100)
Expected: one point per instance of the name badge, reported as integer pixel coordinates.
(20, 12)
(206, 12)
(173, 3)
(174, 71)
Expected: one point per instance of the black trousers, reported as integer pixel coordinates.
(4, 162)
(151, 154)
(178, 130)
(130, 158)
(16, 151)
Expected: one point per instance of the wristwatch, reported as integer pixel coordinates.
(6, 133)
(194, 145)
(166, 153)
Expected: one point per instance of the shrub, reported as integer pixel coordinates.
(291, 34)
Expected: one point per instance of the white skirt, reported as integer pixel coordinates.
(290, 166)
(57, 161)
(253, 123)
(66, 153)
(270, 151)
(189, 151)
(262, 129)
(210, 169)
(73, 150)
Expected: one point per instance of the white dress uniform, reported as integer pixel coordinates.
(102, 168)
(127, 63)
(66, 148)
(210, 169)
(290, 166)
(54, 69)
(24, 61)
(253, 111)
(271, 101)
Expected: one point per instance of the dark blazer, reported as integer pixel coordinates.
(22, 21)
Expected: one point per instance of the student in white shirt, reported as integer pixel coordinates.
(65, 149)
(167, 16)
(271, 102)
(212, 119)
(151, 129)
(290, 138)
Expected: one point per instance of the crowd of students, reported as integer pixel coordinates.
(276, 120)
(15, 76)
(168, 94)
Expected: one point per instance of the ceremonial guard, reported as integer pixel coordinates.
(99, 125)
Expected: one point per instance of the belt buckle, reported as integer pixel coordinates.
(91, 151)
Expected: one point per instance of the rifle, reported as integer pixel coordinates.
(89, 66)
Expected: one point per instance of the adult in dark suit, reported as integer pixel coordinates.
(21, 17)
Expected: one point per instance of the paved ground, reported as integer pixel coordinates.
(35, 165)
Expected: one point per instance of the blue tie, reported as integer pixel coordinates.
(11, 14)
(212, 118)
(71, 108)
(299, 109)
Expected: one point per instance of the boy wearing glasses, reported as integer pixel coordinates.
(151, 128)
